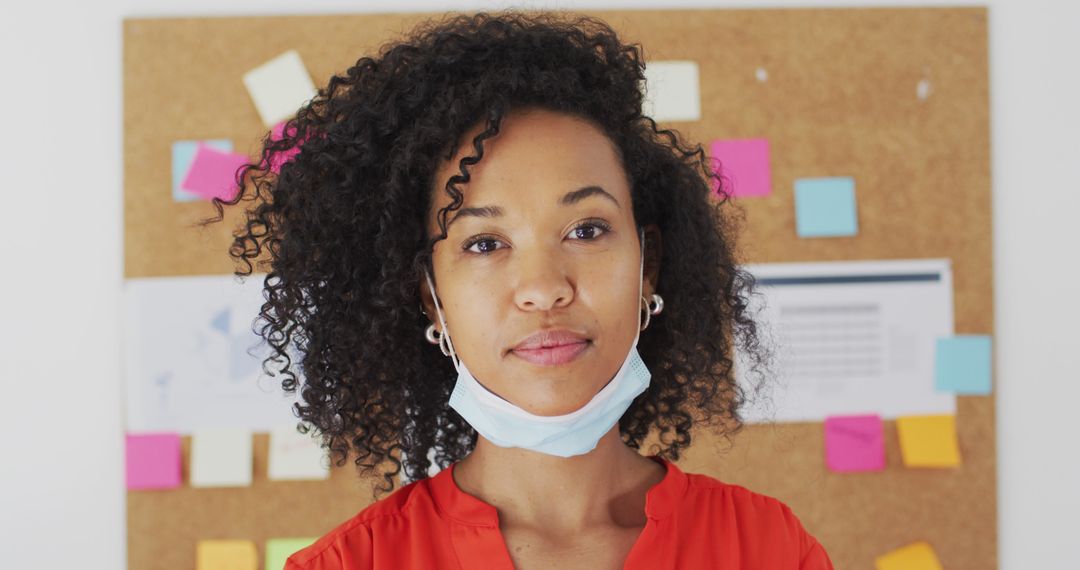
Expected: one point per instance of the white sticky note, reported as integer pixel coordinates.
(294, 455)
(221, 457)
(279, 87)
(672, 91)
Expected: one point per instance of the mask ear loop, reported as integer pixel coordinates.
(641, 284)
(442, 321)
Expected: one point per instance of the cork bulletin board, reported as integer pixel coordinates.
(840, 99)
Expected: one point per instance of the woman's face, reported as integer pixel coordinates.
(545, 241)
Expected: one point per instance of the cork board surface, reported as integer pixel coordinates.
(840, 100)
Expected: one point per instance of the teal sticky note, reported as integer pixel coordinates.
(962, 364)
(183, 154)
(825, 207)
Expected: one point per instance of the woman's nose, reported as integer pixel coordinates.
(542, 282)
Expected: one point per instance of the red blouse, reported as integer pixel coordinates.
(693, 521)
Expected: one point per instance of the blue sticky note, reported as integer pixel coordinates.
(825, 207)
(183, 153)
(962, 364)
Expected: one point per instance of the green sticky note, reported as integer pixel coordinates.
(962, 364)
(825, 207)
(278, 550)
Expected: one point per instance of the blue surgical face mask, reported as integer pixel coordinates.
(574, 433)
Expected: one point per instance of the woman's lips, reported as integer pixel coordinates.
(552, 356)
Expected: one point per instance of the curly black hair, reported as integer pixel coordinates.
(343, 224)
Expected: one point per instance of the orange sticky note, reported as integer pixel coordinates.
(929, 441)
(226, 555)
(915, 556)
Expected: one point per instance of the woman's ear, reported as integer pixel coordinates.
(428, 303)
(653, 256)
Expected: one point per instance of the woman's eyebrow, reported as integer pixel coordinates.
(576, 196)
(568, 199)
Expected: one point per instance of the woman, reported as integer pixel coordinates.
(489, 185)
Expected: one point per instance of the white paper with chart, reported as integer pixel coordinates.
(191, 359)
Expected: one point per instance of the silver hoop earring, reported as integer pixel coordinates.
(431, 336)
(652, 310)
(439, 339)
(658, 301)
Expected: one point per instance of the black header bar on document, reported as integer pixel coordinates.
(842, 279)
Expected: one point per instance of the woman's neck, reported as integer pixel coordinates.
(561, 495)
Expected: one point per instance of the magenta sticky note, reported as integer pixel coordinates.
(213, 173)
(744, 166)
(280, 158)
(854, 443)
(153, 460)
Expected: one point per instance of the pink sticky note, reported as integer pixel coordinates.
(854, 443)
(153, 461)
(744, 166)
(212, 173)
(278, 159)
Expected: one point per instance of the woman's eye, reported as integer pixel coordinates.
(487, 245)
(587, 231)
(590, 230)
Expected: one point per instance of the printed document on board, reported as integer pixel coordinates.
(850, 337)
(192, 360)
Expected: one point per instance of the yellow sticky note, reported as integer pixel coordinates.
(226, 555)
(915, 556)
(929, 441)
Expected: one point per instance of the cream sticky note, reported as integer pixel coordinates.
(929, 441)
(221, 458)
(744, 166)
(915, 556)
(279, 87)
(278, 550)
(294, 455)
(153, 460)
(226, 555)
(854, 443)
(672, 91)
(962, 364)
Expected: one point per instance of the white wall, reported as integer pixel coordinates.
(61, 478)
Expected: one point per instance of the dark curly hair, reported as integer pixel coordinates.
(343, 223)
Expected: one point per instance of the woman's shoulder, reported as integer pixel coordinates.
(739, 499)
(355, 534)
(756, 517)
(731, 500)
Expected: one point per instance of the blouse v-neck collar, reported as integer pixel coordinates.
(660, 500)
